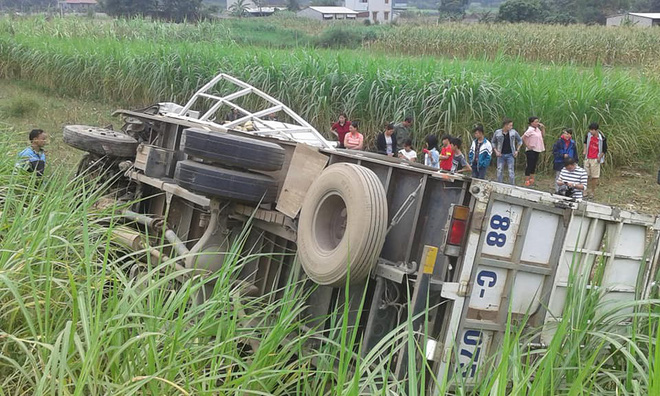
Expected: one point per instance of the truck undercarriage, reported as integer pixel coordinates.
(454, 254)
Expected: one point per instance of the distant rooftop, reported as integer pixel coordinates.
(255, 10)
(78, 1)
(650, 15)
(333, 10)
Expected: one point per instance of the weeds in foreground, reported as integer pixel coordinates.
(73, 320)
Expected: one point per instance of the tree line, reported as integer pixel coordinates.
(175, 10)
(27, 5)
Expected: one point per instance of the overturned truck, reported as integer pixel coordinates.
(466, 253)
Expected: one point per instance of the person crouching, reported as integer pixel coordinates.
(572, 181)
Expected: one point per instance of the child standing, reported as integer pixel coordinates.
(459, 163)
(446, 154)
(431, 154)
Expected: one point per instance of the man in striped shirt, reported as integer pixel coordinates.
(572, 178)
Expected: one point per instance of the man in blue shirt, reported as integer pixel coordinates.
(33, 158)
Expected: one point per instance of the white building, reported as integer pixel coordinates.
(378, 10)
(76, 5)
(328, 13)
(635, 18)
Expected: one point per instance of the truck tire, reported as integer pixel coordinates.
(100, 141)
(225, 183)
(343, 220)
(232, 150)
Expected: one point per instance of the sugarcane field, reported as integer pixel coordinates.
(370, 197)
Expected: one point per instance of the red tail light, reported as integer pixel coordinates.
(456, 233)
(458, 225)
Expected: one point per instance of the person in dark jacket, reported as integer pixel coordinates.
(480, 153)
(233, 115)
(386, 141)
(563, 149)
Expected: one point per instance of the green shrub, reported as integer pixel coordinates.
(19, 107)
(346, 36)
(339, 37)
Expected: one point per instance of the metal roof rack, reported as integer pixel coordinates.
(301, 131)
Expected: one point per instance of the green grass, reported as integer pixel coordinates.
(19, 107)
(73, 321)
(51, 113)
(575, 44)
(118, 62)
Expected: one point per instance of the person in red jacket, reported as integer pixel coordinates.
(340, 129)
(446, 154)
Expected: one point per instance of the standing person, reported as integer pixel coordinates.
(340, 129)
(402, 129)
(354, 139)
(563, 149)
(595, 147)
(407, 152)
(270, 117)
(459, 163)
(446, 154)
(573, 180)
(233, 115)
(506, 144)
(431, 154)
(386, 142)
(33, 158)
(480, 153)
(533, 139)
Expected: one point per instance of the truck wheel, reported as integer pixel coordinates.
(343, 220)
(225, 183)
(100, 141)
(232, 150)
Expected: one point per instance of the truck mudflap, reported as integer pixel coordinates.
(519, 250)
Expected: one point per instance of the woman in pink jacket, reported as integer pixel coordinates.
(533, 139)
